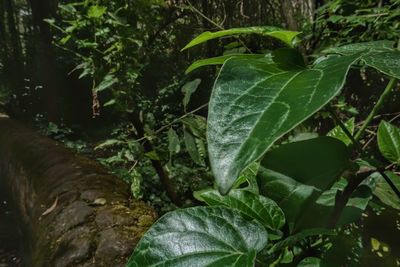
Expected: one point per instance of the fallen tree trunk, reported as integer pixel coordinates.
(72, 211)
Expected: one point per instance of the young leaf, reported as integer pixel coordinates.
(107, 82)
(96, 11)
(338, 133)
(200, 236)
(219, 60)
(389, 141)
(253, 103)
(285, 36)
(188, 89)
(253, 206)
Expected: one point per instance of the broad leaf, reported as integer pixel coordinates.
(253, 103)
(219, 60)
(296, 174)
(378, 54)
(383, 191)
(389, 141)
(252, 205)
(288, 58)
(200, 236)
(338, 133)
(285, 36)
(361, 47)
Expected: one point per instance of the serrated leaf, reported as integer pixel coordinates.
(389, 141)
(200, 236)
(338, 133)
(253, 103)
(285, 36)
(218, 61)
(253, 206)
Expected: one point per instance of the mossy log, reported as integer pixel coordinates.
(73, 212)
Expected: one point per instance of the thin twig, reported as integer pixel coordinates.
(171, 123)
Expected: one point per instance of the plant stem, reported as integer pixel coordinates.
(357, 144)
(376, 108)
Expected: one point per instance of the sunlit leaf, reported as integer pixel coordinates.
(274, 32)
(338, 132)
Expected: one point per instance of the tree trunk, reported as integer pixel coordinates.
(73, 212)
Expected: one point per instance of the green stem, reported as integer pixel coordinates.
(376, 108)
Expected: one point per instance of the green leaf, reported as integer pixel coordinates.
(361, 47)
(294, 239)
(310, 262)
(174, 145)
(288, 58)
(200, 236)
(383, 191)
(191, 147)
(296, 174)
(378, 54)
(386, 62)
(152, 155)
(249, 176)
(188, 89)
(389, 141)
(338, 133)
(253, 103)
(96, 11)
(107, 82)
(196, 124)
(285, 36)
(218, 61)
(252, 205)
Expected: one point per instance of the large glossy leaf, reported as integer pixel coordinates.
(383, 191)
(252, 205)
(200, 236)
(389, 141)
(253, 103)
(296, 174)
(285, 36)
(220, 60)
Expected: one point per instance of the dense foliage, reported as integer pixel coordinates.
(293, 162)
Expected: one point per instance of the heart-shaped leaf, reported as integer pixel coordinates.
(253, 206)
(200, 236)
(285, 36)
(253, 103)
(389, 141)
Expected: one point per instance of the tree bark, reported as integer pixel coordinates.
(73, 212)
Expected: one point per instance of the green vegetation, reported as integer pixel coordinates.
(265, 134)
